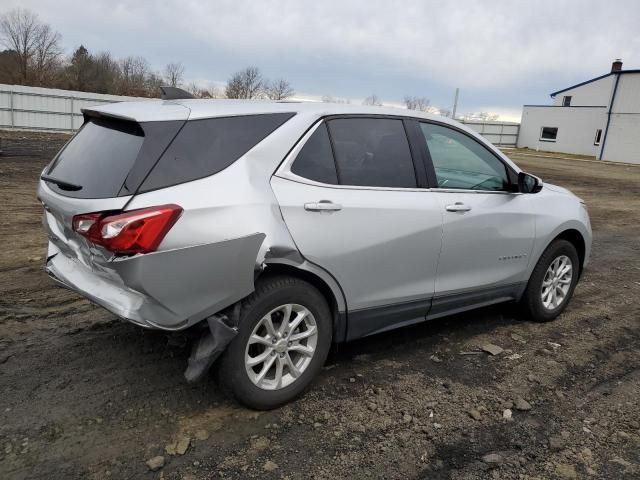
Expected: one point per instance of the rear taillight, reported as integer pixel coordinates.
(136, 231)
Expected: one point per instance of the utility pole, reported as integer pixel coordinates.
(455, 104)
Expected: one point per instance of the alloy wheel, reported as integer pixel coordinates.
(281, 346)
(556, 282)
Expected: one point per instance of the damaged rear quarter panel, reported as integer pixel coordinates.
(193, 282)
(236, 223)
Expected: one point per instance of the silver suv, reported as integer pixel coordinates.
(272, 230)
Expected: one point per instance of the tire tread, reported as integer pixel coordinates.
(230, 369)
(530, 302)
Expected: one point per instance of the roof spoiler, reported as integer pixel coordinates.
(174, 93)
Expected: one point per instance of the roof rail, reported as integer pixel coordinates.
(174, 93)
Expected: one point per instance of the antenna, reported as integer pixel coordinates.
(174, 93)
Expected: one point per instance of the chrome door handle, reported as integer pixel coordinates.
(322, 206)
(458, 207)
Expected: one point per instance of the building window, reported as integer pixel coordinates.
(548, 134)
(596, 141)
(566, 101)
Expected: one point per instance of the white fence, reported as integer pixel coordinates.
(501, 134)
(33, 108)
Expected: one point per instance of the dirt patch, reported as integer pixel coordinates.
(87, 396)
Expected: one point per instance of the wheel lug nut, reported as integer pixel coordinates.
(286, 333)
(289, 344)
(273, 353)
(282, 355)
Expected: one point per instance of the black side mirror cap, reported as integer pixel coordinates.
(528, 183)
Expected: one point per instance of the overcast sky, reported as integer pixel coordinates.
(501, 53)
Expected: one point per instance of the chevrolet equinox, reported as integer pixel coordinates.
(274, 229)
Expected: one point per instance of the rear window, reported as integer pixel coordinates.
(98, 158)
(372, 152)
(205, 147)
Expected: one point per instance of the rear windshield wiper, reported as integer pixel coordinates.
(61, 183)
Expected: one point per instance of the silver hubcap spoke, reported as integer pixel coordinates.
(305, 334)
(265, 368)
(281, 346)
(304, 350)
(292, 367)
(262, 340)
(556, 282)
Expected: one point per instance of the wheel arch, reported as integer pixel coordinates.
(574, 237)
(327, 286)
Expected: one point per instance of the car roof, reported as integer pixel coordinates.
(193, 109)
(156, 110)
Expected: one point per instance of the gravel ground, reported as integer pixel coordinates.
(84, 395)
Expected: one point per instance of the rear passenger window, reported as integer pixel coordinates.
(372, 152)
(315, 160)
(205, 147)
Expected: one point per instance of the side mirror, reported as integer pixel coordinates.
(528, 183)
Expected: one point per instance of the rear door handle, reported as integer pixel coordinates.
(458, 207)
(322, 206)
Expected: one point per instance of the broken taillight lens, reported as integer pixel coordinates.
(136, 231)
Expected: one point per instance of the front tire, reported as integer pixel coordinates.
(284, 336)
(552, 282)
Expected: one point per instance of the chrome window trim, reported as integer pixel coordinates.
(463, 190)
(284, 170)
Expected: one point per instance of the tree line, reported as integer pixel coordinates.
(33, 56)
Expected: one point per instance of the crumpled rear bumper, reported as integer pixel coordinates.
(168, 290)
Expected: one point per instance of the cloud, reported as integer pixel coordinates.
(500, 52)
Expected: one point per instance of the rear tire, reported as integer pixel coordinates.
(552, 282)
(271, 361)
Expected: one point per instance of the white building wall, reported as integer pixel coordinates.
(578, 123)
(628, 94)
(623, 136)
(623, 139)
(591, 94)
(576, 128)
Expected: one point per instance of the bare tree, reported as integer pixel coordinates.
(247, 83)
(210, 92)
(200, 92)
(278, 90)
(420, 104)
(206, 93)
(36, 45)
(331, 99)
(152, 83)
(173, 73)
(192, 88)
(134, 74)
(481, 116)
(234, 87)
(106, 73)
(9, 67)
(48, 53)
(372, 100)
(215, 92)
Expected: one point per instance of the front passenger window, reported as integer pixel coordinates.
(461, 162)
